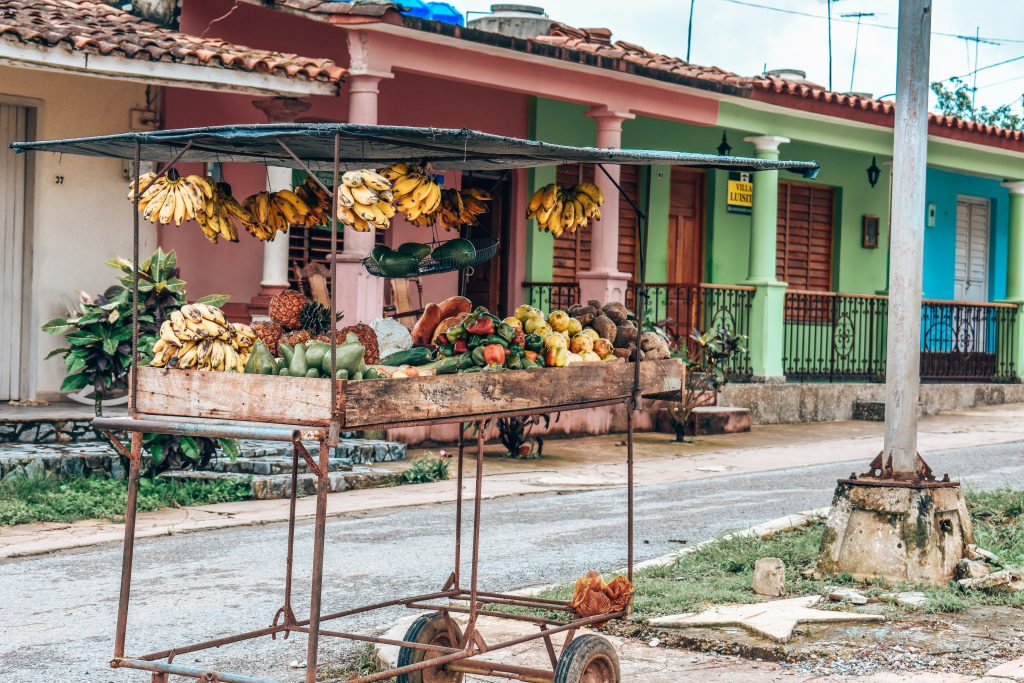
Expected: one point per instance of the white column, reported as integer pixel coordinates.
(275, 252)
(603, 281)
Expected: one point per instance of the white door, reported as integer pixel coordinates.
(13, 126)
(972, 228)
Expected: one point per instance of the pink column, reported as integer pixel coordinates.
(603, 281)
(275, 252)
(360, 296)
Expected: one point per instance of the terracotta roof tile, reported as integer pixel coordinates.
(365, 8)
(95, 27)
(778, 90)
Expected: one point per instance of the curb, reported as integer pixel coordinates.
(387, 655)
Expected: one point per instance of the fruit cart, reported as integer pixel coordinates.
(302, 410)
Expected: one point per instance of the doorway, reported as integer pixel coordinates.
(15, 124)
(686, 227)
(970, 278)
(487, 282)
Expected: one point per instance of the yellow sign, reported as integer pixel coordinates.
(740, 195)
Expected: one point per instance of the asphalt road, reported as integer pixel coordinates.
(57, 611)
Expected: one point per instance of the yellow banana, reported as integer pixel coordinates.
(167, 334)
(352, 179)
(364, 195)
(375, 181)
(345, 197)
(407, 184)
(592, 191)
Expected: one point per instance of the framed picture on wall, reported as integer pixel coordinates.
(869, 232)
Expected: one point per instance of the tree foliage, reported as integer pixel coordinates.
(958, 100)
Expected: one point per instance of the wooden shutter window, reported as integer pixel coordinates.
(804, 239)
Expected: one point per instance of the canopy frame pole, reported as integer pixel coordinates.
(306, 168)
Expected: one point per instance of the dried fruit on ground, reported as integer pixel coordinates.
(593, 597)
(269, 332)
(367, 337)
(285, 308)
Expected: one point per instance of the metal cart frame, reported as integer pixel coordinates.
(464, 654)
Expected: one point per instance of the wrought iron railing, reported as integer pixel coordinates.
(682, 308)
(551, 296)
(967, 342)
(834, 336)
(830, 336)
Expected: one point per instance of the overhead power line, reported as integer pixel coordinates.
(890, 27)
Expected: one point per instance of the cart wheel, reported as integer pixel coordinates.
(429, 629)
(588, 659)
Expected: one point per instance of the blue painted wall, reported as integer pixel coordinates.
(942, 188)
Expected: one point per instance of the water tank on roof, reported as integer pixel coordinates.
(416, 8)
(442, 11)
(517, 21)
(787, 74)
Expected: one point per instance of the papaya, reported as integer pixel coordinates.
(460, 251)
(315, 353)
(414, 249)
(261, 361)
(286, 352)
(397, 264)
(349, 357)
(378, 252)
(299, 366)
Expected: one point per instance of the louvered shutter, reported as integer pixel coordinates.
(804, 238)
(971, 265)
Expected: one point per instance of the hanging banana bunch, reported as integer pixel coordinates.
(461, 207)
(560, 210)
(319, 202)
(416, 193)
(171, 198)
(275, 212)
(223, 214)
(198, 336)
(364, 200)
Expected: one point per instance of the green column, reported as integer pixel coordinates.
(1015, 276)
(768, 308)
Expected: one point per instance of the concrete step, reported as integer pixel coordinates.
(275, 486)
(98, 458)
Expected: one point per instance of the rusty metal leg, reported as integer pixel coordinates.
(158, 678)
(458, 513)
(129, 543)
(474, 606)
(285, 613)
(629, 489)
(322, 486)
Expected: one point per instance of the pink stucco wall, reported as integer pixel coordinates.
(406, 99)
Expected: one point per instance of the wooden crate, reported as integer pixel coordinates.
(384, 403)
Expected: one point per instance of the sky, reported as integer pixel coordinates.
(745, 36)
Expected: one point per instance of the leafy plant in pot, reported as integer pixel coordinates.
(99, 351)
(707, 362)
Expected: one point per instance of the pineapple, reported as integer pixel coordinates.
(296, 337)
(315, 318)
(286, 307)
(269, 332)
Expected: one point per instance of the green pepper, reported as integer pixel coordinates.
(478, 357)
(495, 339)
(466, 362)
(514, 362)
(446, 351)
(529, 364)
(506, 332)
(474, 342)
(494, 319)
(534, 342)
(455, 332)
(516, 349)
(472, 369)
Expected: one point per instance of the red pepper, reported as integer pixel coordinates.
(461, 346)
(483, 326)
(519, 339)
(494, 354)
(532, 355)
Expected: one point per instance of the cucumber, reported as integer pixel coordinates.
(371, 373)
(447, 366)
(284, 372)
(298, 367)
(341, 374)
(312, 372)
(281, 365)
(286, 352)
(420, 355)
(356, 377)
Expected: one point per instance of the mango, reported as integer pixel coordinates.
(590, 357)
(533, 323)
(555, 341)
(575, 326)
(592, 333)
(514, 322)
(573, 358)
(603, 347)
(556, 357)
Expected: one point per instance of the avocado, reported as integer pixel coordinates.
(462, 252)
(414, 249)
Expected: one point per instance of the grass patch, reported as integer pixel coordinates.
(723, 571)
(425, 470)
(45, 499)
(362, 662)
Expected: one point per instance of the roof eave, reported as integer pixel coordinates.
(173, 74)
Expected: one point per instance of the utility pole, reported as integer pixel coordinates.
(897, 521)
(828, 4)
(856, 39)
(689, 31)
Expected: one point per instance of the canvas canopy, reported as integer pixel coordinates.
(364, 145)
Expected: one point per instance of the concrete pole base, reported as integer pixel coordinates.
(896, 533)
